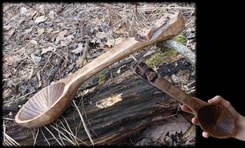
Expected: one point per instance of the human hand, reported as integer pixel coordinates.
(219, 100)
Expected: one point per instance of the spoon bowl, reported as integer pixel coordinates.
(43, 107)
(215, 119)
(46, 105)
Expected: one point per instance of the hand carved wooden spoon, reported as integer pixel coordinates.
(215, 119)
(50, 102)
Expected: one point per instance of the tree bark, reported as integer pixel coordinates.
(113, 104)
(137, 104)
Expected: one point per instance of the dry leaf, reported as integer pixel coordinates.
(11, 32)
(39, 79)
(45, 50)
(40, 31)
(102, 46)
(96, 41)
(48, 30)
(6, 75)
(23, 11)
(63, 44)
(6, 92)
(95, 21)
(33, 42)
(149, 9)
(7, 27)
(61, 24)
(9, 60)
(66, 40)
(62, 34)
(79, 61)
(101, 35)
(34, 13)
(40, 19)
(114, 42)
(31, 73)
(120, 30)
(172, 126)
(28, 30)
(20, 21)
(36, 59)
(69, 38)
(79, 49)
(51, 14)
(21, 50)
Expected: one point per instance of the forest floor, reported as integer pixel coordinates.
(44, 42)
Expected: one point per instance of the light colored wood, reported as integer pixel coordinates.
(46, 115)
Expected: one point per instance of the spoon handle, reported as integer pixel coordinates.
(152, 77)
(172, 26)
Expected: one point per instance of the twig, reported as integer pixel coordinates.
(85, 52)
(26, 95)
(45, 137)
(7, 140)
(187, 53)
(65, 137)
(83, 110)
(71, 134)
(52, 134)
(10, 119)
(35, 135)
(84, 125)
(48, 60)
(111, 10)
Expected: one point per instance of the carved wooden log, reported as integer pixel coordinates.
(111, 113)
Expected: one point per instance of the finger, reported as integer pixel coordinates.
(205, 134)
(219, 100)
(195, 121)
(185, 109)
(216, 100)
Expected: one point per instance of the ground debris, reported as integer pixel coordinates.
(45, 42)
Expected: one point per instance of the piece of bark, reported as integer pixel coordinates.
(170, 132)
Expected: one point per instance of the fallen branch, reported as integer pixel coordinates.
(183, 50)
